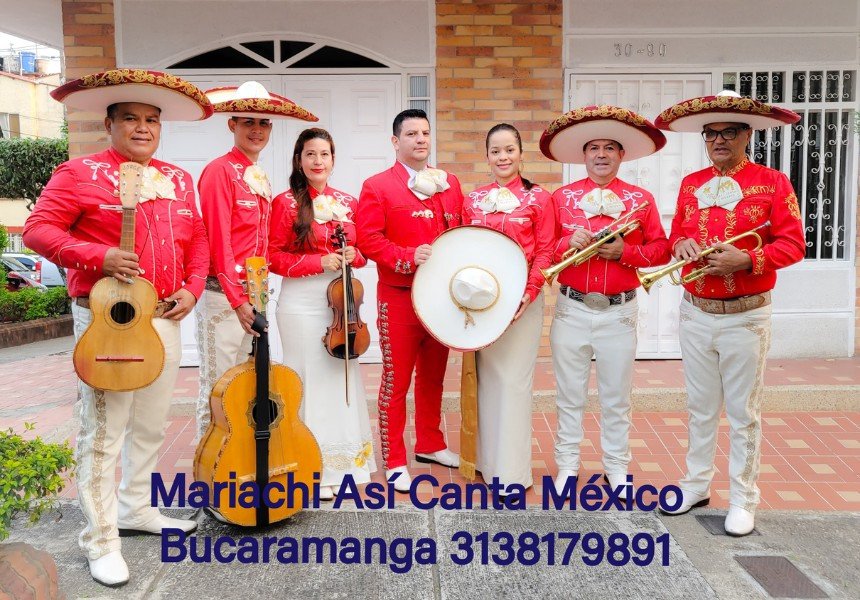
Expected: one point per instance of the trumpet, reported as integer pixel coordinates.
(573, 257)
(646, 280)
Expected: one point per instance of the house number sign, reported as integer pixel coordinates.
(629, 50)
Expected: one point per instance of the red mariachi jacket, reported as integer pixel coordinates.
(289, 261)
(236, 219)
(531, 225)
(78, 218)
(767, 196)
(645, 246)
(392, 222)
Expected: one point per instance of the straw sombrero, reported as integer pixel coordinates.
(179, 100)
(692, 115)
(252, 100)
(565, 137)
(468, 291)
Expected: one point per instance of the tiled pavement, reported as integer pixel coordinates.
(810, 460)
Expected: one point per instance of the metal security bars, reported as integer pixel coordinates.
(419, 92)
(818, 153)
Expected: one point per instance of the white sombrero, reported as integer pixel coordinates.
(564, 139)
(179, 100)
(468, 291)
(728, 106)
(251, 99)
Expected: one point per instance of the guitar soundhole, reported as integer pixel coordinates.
(273, 411)
(122, 313)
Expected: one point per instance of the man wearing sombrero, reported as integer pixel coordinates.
(235, 202)
(76, 223)
(596, 310)
(725, 315)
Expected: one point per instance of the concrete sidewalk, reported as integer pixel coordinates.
(808, 524)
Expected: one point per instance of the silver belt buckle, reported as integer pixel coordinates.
(596, 301)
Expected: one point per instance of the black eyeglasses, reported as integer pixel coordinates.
(728, 134)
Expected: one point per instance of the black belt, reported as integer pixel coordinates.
(597, 300)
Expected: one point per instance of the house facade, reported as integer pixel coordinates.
(473, 64)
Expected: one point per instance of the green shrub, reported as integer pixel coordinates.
(30, 476)
(26, 165)
(29, 303)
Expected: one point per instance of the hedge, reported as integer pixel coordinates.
(29, 303)
(26, 165)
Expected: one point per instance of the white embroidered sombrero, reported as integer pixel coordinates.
(468, 291)
(564, 138)
(692, 115)
(251, 99)
(179, 100)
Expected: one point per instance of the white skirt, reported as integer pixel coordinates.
(343, 432)
(506, 372)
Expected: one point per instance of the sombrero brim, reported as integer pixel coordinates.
(179, 100)
(565, 137)
(275, 107)
(452, 251)
(692, 115)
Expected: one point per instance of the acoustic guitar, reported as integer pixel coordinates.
(255, 433)
(120, 350)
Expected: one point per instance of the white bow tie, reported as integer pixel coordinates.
(720, 191)
(600, 201)
(258, 181)
(156, 184)
(328, 208)
(427, 182)
(499, 199)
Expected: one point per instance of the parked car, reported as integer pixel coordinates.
(17, 275)
(43, 270)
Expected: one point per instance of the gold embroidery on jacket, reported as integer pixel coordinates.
(792, 205)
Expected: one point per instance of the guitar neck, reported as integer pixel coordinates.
(126, 240)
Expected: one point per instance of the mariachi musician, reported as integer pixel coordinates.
(725, 313)
(235, 203)
(76, 223)
(303, 249)
(596, 310)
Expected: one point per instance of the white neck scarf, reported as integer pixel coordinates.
(328, 208)
(427, 182)
(156, 184)
(499, 199)
(719, 191)
(258, 181)
(600, 201)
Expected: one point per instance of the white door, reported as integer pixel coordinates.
(356, 109)
(660, 174)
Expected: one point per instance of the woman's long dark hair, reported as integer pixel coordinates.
(299, 186)
(507, 127)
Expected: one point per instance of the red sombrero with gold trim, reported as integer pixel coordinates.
(252, 100)
(565, 137)
(179, 100)
(692, 115)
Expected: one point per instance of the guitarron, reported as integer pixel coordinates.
(255, 433)
(120, 350)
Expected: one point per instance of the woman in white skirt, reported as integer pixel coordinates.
(302, 250)
(523, 211)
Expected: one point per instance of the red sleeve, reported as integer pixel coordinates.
(216, 205)
(544, 242)
(561, 238)
(283, 260)
(676, 232)
(196, 266)
(359, 260)
(47, 228)
(786, 245)
(654, 249)
(370, 221)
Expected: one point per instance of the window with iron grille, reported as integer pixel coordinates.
(818, 153)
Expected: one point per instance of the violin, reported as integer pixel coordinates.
(347, 334)
(256, 434)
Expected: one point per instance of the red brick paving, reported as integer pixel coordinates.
(810, 460)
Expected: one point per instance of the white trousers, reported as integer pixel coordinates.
(506, 372)
(222, 344)
(724, 358)
(577, 334)
(126, 423)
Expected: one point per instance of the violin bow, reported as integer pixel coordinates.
(347, 289)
